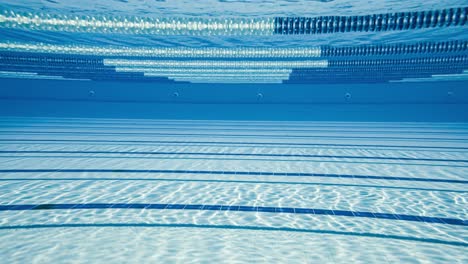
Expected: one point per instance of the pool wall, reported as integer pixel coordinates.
(422, 101)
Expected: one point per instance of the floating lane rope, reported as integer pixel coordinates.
(236, 26)
(138, 25)
(376, 22)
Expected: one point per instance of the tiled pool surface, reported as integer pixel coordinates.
(232, 191)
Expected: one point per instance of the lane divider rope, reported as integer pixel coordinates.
(235, 26)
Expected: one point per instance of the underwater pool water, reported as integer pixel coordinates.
(233, 131)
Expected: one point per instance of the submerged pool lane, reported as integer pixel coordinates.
(234, 131)
(379, 194)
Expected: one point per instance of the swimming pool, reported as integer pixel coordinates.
(233, 131)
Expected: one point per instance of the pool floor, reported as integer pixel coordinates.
(121, 190)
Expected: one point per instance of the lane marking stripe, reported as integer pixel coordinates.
(251, 173)
(236, 208)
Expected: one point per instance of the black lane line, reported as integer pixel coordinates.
(223, 154)
(228, 143)
(221, 135)
(237, 208)
(230, 181)
(257, 228)
(338, 130)
(217, 123)
(240, 173)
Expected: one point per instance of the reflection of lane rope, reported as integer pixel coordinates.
(197, 71)
(243, 52)
(216, 63)
(326, 64)
(236, 26)
(452, 60)
(162, 52)
(396, 49)
(437, 61)
(291, 71)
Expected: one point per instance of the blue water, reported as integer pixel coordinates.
(233, 131)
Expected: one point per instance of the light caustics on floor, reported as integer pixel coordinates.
(376, 193)
(236, 26)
